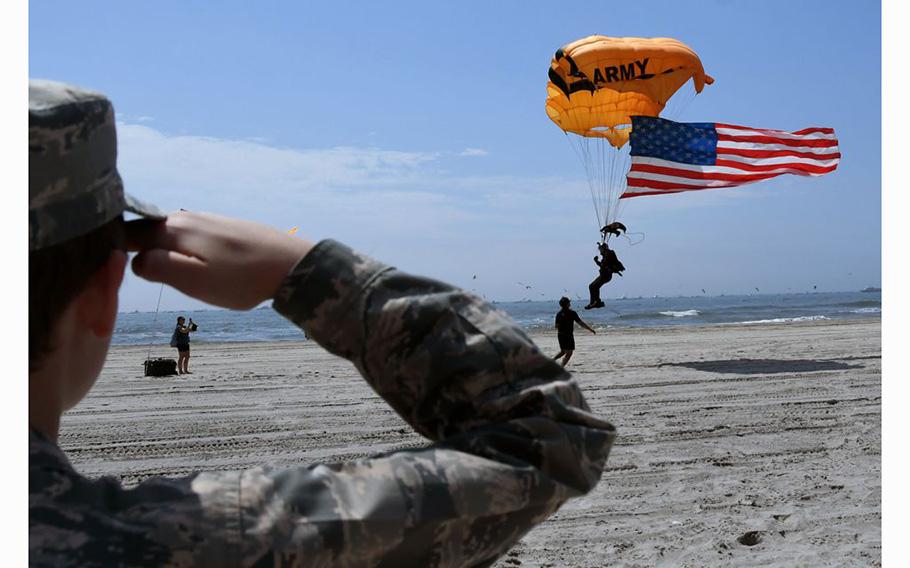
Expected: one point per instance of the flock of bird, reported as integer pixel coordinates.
(528, 287)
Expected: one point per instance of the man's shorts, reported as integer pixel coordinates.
(566, 341)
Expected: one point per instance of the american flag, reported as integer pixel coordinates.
(669, 157)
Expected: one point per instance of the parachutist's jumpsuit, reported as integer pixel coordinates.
(608, 264)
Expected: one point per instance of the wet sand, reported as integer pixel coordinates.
(738, 445)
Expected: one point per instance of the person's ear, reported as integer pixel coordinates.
(97, 308)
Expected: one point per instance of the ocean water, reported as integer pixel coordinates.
(264, 324)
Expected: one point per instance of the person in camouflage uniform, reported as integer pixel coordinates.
(511, 437)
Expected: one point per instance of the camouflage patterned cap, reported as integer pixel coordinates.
(73, 184)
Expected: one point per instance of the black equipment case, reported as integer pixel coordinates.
(160, 367)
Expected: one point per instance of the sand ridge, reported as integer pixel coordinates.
(746, 445)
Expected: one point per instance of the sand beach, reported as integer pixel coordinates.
(745, 445)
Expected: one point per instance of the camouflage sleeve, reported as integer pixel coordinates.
(513, 439)
(514, 436)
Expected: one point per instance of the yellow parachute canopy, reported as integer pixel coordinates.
(598, 83)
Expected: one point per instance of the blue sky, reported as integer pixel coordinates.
(417, 133)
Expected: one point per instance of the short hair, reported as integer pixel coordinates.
(57, 274)
(564, 302)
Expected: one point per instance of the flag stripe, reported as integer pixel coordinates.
(764, 140)
(813, 130)
(663, 184)
(828, 133)
(646, 191)
(798, 132)
(743, 145)
(733, 165)
(723, 173)
(784, 167)
(742, 161)
(699, 179)
(775, 153)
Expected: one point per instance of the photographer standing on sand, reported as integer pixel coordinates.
(181, 340)
(510, 436)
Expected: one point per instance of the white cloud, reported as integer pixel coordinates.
(372, 188)
(473, 152)
(129, 118)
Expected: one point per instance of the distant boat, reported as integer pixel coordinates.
(871, 289)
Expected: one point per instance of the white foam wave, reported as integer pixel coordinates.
(787, 320)
(866, 311)
(684, 314)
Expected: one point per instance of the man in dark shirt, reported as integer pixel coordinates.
(565, 326)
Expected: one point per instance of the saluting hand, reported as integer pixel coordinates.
(226, 262)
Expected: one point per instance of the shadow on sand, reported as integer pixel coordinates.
(763, 366)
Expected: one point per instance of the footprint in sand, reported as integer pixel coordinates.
(751, 538)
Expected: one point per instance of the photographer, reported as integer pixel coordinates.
(181, 340)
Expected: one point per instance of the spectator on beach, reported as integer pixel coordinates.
(512, 436)
(565, 330)
(181, 340)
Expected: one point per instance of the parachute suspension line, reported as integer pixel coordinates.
(611, 191)
(603, 188)
(608, 165)
(621, 162)
(603, 185)
(616, 174)
(607, 168)
(591, 172)
(591, 168)
(624, 170)
(593, 177)
(580, 145)
(679, 103)
(602, 148)
(148, 355)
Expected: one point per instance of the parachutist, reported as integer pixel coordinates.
(608, 265)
